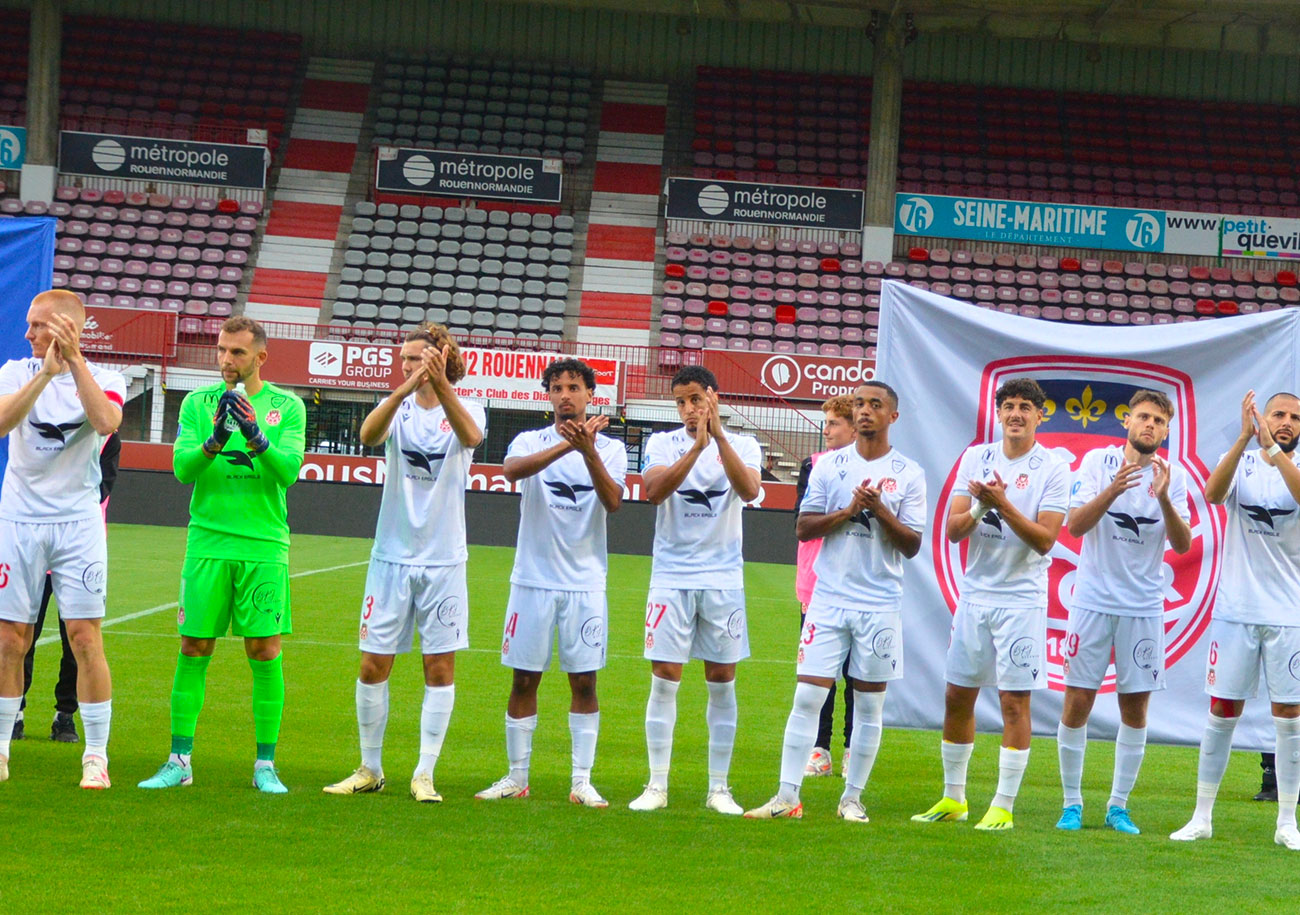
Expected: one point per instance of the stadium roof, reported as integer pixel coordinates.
(1260, 26)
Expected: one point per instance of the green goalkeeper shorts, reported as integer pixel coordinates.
(250, 599)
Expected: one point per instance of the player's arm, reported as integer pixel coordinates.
(582, 436)
(815, 525)
(1039, 532)
(963, 513)
(189, 456)
(745, 480)
(1220, 481)
(283, 457)
(523, 466)
(1083, 518)
(906, 540)
(661, 480)
(379, 421)
(1177, 530)
(103, 414)
(15, 407)
(435, 365)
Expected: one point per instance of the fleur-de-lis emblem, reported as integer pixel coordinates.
(1049, 408)
(1087, 410)
(1122, 412)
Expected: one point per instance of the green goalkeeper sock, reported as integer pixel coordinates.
(187, 700)
(268, 704)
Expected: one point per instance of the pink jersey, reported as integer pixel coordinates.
(804, 577)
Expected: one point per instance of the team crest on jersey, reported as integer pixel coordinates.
(273, 417)
(365, 631)
(180, 616)
(444, 426)
(889, 484)
(1022, 481)
(1087, 397)
(801, 656)
(649, 640)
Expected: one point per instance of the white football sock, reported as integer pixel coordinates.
(9, 706)
(435, 714)
(95, 719)
(1130, 747)
(1071, 744)
(1212, 762)
(800, 735)
(955, 758)
(519, 745)
(583, 728)
(1287, 766)
(372, 719)
(660, 718)
(721, 716)
(868, 720)
(1011, 770)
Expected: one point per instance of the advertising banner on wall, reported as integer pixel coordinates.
(765, 204)
(102, 155)
(786, 375)
(439, 173)
(490, 374)
(130, 331)
(1261, 236)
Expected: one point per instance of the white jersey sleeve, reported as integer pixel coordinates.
(1261, 552)
(422, 510)
(698, 538)
(859, 568)
(53, 473)
(562, 542)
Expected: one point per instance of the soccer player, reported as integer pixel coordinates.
(416, 577)
(1018, 496)
(837, 431)
(57, 410)
(1255, 620)
(572, 476)
(1125, 503)
(866, 502)
(241, 451)
(699, 476)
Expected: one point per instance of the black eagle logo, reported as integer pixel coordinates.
(703, 497)
(239, 458)
(992, 519)
(1265, 515)
(424, 460)
(55, 432)
(863, 517)
(565, 491)
(1130, 522)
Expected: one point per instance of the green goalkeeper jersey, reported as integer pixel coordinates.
(238, 510)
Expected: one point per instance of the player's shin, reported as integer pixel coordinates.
(9, 706)
(660, 719)
(1011, 771)
(372, 720)
(584, 728)
(800, 733)
(268, 706)
(1288, 768)
(956, 759)
(868, 723)
(1130, 747)
(96, 718)
(721, 716)
(188, 687)
(1071, 746)
(519, 746)
(435, 715)
(1216, 747)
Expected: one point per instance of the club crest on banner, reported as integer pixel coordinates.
(1087, 400)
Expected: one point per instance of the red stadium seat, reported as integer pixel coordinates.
(1286, 278)
(1070, 263)
(1206, 307)
(676, 271)
(718, 308)
(918, 254)
(785, 314)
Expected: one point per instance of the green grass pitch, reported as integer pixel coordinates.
(220, 846)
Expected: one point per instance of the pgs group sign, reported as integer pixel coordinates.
(492, 374)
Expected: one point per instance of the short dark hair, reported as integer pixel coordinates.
(877, 383)
(1027, 388)
(695, 374)
(1277, 395)
(438, 335)
(240, 323)
(1161, 400)
(569, 366)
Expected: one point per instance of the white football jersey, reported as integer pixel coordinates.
(561, 544)
(1001, 569)
(859, 568)
(422, 512)
(1121, 562)
(53, 472)
(697, 528)
(1261, 550)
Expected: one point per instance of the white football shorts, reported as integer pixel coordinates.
(996, 646)
(1138, 643)
(1236, 650)
(534, 615)
(400, 598)
(706, 624)
(74, 552)
(872, 640)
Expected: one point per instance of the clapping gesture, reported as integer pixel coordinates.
(992, 493)
(581, 436)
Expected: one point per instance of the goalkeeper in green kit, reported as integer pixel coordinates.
(240, 443)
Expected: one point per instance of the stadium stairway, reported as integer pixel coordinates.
(618, 273)
(293, 263)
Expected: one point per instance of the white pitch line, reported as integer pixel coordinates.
(51, 639)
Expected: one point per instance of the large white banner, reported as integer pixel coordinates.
(946, 360)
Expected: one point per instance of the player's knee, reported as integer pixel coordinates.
(525, 683)
(13, 642)
(583, 686)
(85, 640)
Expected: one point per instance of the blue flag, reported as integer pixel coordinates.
(26, 268)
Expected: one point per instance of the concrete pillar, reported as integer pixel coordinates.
(43, 64)
(882, 152)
